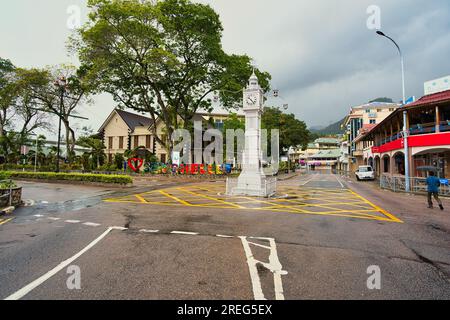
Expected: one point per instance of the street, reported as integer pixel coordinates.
(189, 241)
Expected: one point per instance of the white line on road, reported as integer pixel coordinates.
(306, 182)
(148, 231)
(224, 236)
(27, 289)
(185, 233)
(274, 266)
(91, 224)
(54, 219)
(38, 215)
(342, 185)
(73, 221)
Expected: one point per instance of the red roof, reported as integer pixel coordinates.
(431, 99)
(366, 128)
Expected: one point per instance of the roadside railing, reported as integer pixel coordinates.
(269, 187)
(418, 185)
(7, 193)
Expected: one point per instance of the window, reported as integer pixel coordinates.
(147, 142)
(120, 142)
(136, 141)
(368, 111)
(373, 121)
(110, 142)
(391, 110)
(219, 125)
(163, 158)
(379, 110)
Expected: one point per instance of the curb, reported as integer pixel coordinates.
(7, 210)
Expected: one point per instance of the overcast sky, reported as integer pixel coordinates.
(321, 54)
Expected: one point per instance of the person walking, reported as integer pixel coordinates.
(433, 184)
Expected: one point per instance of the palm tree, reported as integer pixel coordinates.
(96, 147)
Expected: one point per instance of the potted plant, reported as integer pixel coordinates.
(6, 187)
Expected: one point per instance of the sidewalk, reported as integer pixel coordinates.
(411, 208)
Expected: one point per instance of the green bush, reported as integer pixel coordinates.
(99, 178)
(7, 185)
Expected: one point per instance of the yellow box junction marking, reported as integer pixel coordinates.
(311, 201)
(4, 221)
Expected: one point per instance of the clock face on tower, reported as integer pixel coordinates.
(251, 100)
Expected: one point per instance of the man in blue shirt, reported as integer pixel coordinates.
(433, 184)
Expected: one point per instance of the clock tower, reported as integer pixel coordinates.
(253, 181)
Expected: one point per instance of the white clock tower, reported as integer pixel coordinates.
(253, 181)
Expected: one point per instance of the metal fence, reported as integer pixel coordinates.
(269, 188)
(418, 185)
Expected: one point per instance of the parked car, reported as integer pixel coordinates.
(365, 173)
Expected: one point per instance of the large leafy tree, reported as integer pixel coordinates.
(52, 97)
(18, 109)
(8, 93)
(162, 58)
(293, 132)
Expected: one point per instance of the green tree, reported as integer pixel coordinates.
(62, 101)
(163, 58)
(8, 96)
(96, 153)
(293, 132)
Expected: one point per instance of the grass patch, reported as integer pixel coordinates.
(80, 177)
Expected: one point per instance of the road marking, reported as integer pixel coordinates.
(148, 231)
(387, 214)
(54, 219)
(185, 233)
(91, 224)
(30, 287)
(175, 198)
(2, 222)
(73, 221)
(305, 183)
(224, 236)
(38, 215)
(211, 198)
(274, 266)
(342, 185)
(336, 202)
(140, 198)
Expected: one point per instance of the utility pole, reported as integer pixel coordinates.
(405, 116)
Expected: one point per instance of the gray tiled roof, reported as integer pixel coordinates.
(134, 120)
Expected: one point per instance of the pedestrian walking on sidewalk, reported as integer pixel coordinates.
(433, 184)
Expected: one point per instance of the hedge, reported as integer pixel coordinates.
(52, 176)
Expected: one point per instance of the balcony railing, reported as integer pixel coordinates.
(418, 129)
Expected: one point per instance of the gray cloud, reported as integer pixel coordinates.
(320, 53)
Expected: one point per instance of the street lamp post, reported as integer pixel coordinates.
(405, 115)
(61, 84)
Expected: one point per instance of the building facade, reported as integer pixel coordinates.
(124, 131)
(358, 122)
(428, 129)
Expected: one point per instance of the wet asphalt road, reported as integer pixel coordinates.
(325, 257)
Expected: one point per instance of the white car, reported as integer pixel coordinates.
(365, 173)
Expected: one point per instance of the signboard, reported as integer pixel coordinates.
(438, 85)
(410, 100)
(176, 157)
(24, 150)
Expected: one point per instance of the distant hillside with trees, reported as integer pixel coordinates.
(332, 129)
